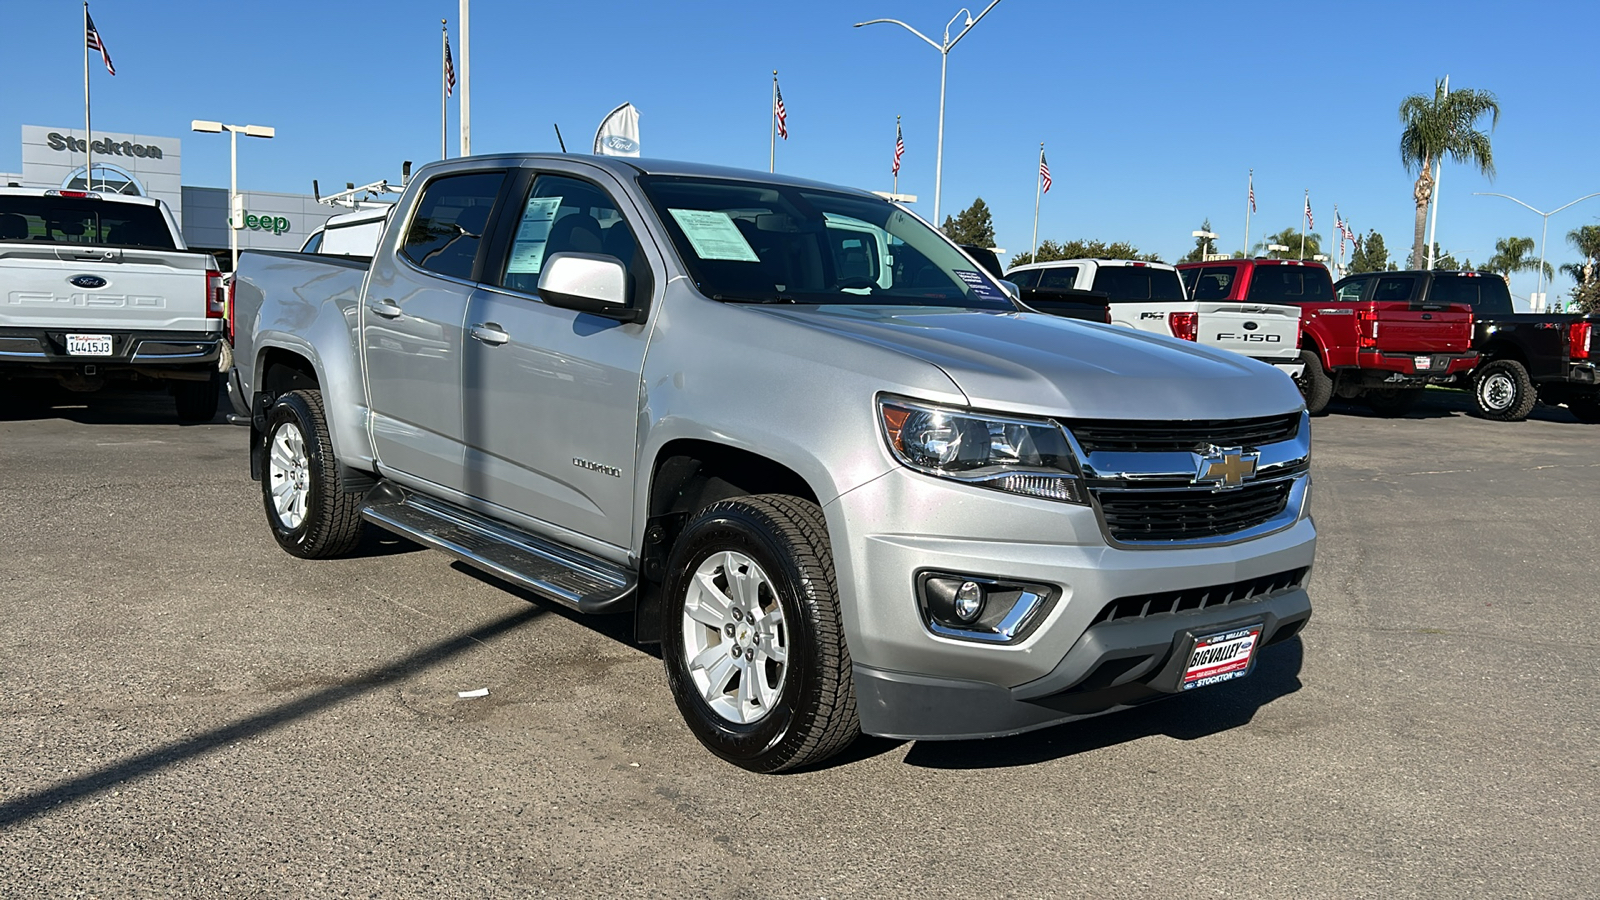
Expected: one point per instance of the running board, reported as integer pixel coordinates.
(569, 577)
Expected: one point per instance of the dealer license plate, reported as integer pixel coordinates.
(1423, 362)
(1222, 657)
(88, 345)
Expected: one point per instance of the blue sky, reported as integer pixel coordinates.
(1152, 113)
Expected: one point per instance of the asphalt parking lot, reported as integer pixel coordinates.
(187, 711)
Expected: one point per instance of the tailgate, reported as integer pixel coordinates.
(1399, 328)
(1254, 329)
(157, 290)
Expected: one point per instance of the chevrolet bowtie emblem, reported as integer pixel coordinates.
(1225, 468)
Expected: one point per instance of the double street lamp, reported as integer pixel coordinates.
(234, 221)
(944, 63)
(1208, 247)
(1546, 232)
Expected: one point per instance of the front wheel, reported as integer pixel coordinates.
(1503, 391)
(752, 638)
(310, 516)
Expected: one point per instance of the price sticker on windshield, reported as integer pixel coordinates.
(980, 286)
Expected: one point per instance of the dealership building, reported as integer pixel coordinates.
(152, 166)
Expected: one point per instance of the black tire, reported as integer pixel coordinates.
(1503, 391)
(814, 715)
(1316, 385)
(1392, 401)
(330, 522)
(197, 400)
(1586, 408)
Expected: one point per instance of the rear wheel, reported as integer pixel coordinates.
(1316, 385)
(1503, 391)
(1392, 401)
(310, 516)
(197, 400)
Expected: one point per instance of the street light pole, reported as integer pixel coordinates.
(1208, 237)
(944, 64)
(1545, 233)
(259, 131)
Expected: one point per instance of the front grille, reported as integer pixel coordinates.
(1157, 515)
(1132, 436)
(1199, 598)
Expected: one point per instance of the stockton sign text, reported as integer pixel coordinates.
(104, 148)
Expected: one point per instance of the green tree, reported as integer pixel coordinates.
(1050, 251)
(1202, 246)
(1586, 240)
(1289, 237)
(1445, 261)
(1586, 297)
(1370, 254)
(974, 225)
(1515, 254)
(1439, 126)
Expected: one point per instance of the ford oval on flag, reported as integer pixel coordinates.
(618, 134)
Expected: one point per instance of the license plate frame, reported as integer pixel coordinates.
(90, 345)
(1221, 656)
(1423, 363)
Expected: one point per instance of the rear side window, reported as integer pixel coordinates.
(449, 223)
(1027, 278)
(1059, 279)
(1290, 284)
(1351, 291)
(1139, 284)
(81, 220)
(1213, 283)
(1392, 290)
(1485, 294)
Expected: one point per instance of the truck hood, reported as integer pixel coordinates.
(1043, 365)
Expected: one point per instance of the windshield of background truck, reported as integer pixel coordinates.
(1290, 284)
(1484, 293)
(751, 242)
(1139, 284)
(81, 220)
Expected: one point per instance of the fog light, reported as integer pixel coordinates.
(969, 601)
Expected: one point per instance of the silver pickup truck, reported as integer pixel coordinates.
(796, 433)
(99, 289)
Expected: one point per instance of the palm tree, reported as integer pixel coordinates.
(1289, 237)
(1435, 127)
(1514, 254)
(1586, 240)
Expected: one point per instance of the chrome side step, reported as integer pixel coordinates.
(560, 573)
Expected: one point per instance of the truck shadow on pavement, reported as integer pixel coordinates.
(133, 407)
(1187, 717)
(21, 807)
(1440, 404)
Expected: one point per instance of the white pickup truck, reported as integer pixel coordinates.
(100, 289)
(1151, 297)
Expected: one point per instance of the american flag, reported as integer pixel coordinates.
(449, 68)
(1310, 222)
(1338, 225)
(1044, 173)
(93, 38)
(778, 110)
(1252, 193)
(899, 147)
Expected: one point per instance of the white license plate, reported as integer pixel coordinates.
(88, 345)
(1222, 657)
(1423, 362)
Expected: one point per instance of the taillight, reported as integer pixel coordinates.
(1108, 315)
(1366, 329)
(1182, 324)
(214, 301)
(233, 287)
(1578, 338)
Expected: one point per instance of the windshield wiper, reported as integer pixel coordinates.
(730, 298)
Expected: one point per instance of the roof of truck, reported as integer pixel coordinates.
(627, 167)
(91, 195)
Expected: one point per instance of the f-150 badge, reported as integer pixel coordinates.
(1225, 468)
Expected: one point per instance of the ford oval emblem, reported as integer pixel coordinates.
(87, 281)
(621, 144)
(1251, 326)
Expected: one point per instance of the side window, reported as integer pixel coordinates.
(1214, 283)
(1393, 290)
(1027, 278)
(565, 215)
(1351, 291)
(1190, 278)
(313, 243)
(448, 226)
(1060, 279)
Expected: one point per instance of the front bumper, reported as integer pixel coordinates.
(902, 523)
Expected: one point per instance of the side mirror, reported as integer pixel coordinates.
(587, 282)
(1012, 289)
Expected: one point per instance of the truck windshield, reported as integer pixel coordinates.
(1138, 284)
(1290, 284)
(82, 220)
(1484, 293)
(754, 242)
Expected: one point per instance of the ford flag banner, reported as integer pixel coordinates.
(619, 133)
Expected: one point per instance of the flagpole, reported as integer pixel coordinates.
(1248, 199)
(1303, 224)
(1438, 173)
(88, 144)
(896, 188)
(465, 115)
(772, 113)
(444, 92)
(1038, 191)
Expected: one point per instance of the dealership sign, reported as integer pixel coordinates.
(67, 143)
(274, 224)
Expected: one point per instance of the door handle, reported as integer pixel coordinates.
(489, 333)
(385, 308)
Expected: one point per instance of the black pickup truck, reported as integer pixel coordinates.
(1526, 357)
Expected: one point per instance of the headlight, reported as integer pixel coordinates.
(1019, 456)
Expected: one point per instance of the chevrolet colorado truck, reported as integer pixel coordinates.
(99, 289)
(1370, 341)
(1523, 357)
(797, 434)
(1152, 297)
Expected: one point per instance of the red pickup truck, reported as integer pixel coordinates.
(1372, 342)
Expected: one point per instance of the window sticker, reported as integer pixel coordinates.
(981, 288)
(527, 251)
(713, 235)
